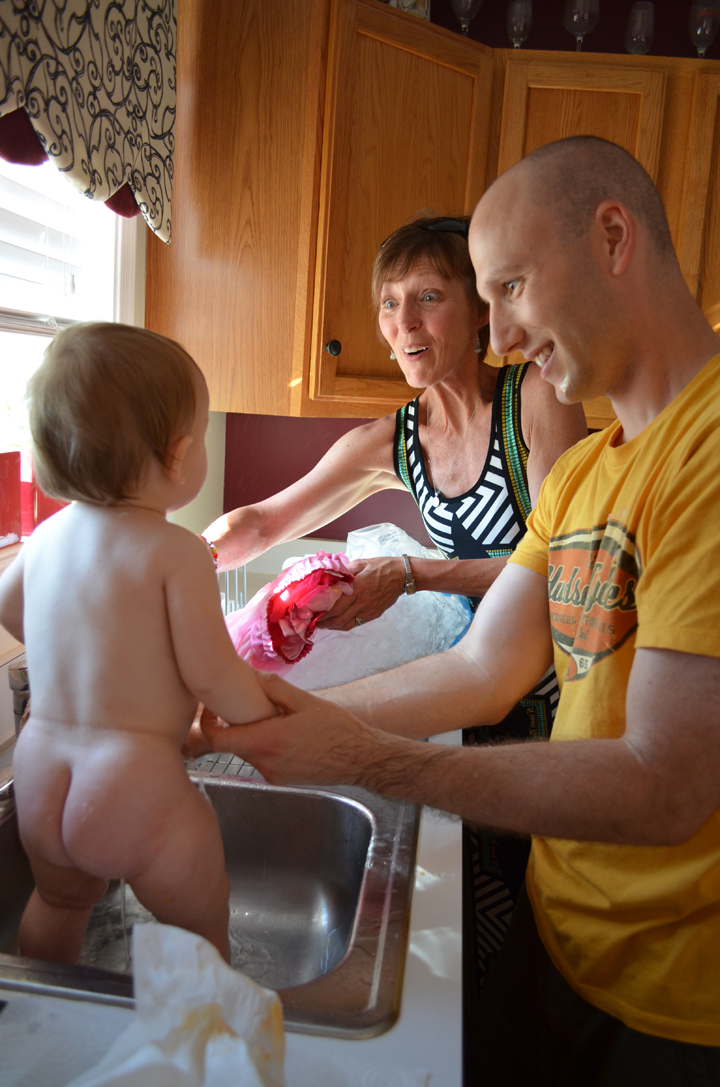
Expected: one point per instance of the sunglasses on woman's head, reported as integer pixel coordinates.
(444, 224)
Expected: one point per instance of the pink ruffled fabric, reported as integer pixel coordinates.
(275, 629)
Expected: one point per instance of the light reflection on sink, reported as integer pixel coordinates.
(321, 882)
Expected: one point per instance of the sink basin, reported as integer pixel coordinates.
(321, 882)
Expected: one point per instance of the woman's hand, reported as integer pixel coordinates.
(378, 584)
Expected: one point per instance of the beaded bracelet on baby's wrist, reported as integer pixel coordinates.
(213, 552)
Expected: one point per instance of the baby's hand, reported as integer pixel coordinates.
(213, 729)
(197, 742)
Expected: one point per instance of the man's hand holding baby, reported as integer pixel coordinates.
(310, 741)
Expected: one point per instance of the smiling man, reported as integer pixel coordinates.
(617, 962)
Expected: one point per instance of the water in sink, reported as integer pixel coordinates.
(295, 861)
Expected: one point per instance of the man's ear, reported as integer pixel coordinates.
(618, 234)
(172, 465)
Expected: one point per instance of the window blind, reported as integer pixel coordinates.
(57, 252)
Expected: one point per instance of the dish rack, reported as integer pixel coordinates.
(233, 589)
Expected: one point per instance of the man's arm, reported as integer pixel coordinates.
(504, 654)
(656, 785)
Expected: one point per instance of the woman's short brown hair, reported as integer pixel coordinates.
(445, 251)
(107, 398)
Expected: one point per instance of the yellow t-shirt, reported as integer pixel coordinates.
(628, 538)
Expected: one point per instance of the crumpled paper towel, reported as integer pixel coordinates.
(198, 1022)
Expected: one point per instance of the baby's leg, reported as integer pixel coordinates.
(56, 917)
(186, 884)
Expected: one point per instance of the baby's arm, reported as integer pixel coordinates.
(206, 658)
(11, 598)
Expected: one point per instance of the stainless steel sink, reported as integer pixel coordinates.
(321, 886)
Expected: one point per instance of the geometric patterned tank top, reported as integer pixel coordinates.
(488, 521)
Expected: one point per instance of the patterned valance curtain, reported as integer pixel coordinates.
(97, 81)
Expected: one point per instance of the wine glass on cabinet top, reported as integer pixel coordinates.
(639, 31)
(466, 10)
(580, 19)
(518, 21)
(703, 24)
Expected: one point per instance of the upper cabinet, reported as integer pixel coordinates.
(546, 98)
(235, 284)
(307, 132)
(407, 122)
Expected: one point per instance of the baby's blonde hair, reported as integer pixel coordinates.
(107, 398)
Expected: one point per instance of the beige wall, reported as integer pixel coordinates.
(209, 503)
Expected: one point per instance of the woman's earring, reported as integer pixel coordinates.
(392, 355)
(478, 345)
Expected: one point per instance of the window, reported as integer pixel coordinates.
(63, 258)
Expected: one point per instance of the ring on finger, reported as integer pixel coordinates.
(358, 621)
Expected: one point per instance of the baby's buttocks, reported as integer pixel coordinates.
(97, 799)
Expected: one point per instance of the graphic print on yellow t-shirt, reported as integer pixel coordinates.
(592, 581)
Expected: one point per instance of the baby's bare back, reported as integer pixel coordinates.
(118, 609)
(97, 631)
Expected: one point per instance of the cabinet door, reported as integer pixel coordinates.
(699, 241)
(233, 285)
(406, 129)
(548, 100)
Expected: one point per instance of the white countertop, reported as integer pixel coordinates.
(45, 1042)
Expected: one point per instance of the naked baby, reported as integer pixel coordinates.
(120, 614)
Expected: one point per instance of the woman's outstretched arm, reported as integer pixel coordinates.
(355, 467)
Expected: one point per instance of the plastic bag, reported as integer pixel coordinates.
(415, 626)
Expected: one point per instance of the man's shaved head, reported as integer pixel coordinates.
(571, 177)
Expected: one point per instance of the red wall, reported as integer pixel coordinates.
(264, 453)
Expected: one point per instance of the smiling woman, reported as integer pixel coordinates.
(473, 450)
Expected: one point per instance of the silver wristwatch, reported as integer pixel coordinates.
(410, 586)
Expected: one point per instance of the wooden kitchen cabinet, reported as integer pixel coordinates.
(306, 132)
(407, 123)
(277, 216)
(234, 284)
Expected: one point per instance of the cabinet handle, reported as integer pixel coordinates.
(333, 347)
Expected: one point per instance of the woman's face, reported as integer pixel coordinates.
(430, 324)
